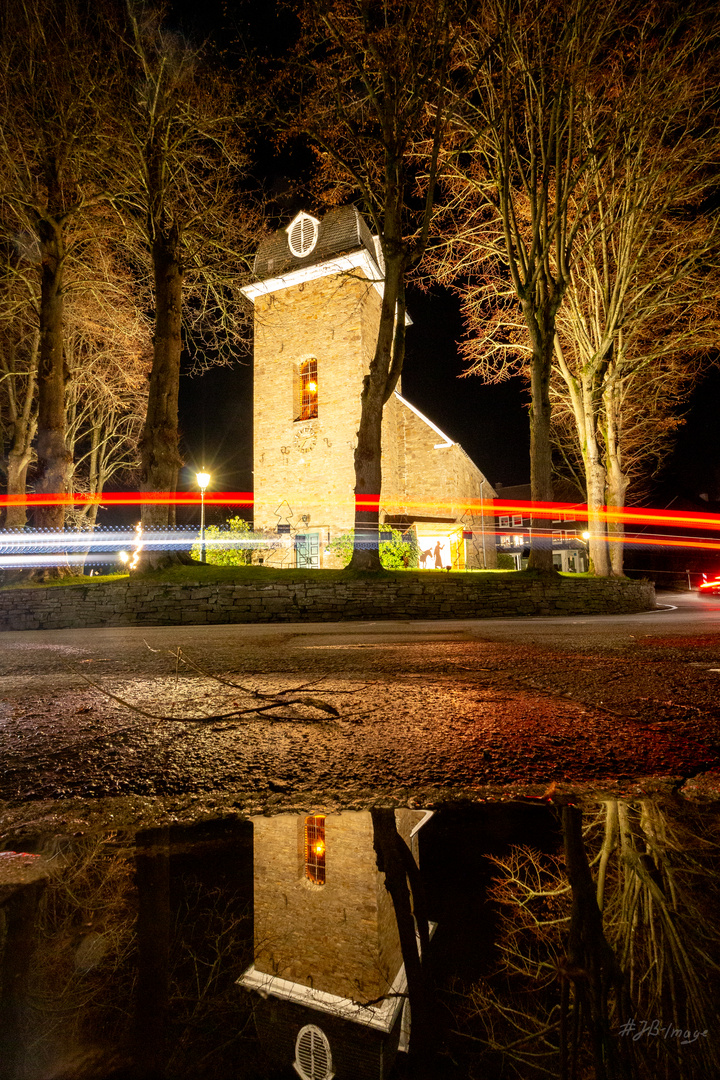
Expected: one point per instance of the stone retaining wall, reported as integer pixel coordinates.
(138, 603)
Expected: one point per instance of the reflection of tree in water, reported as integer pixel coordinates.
(194, 936)
(620, 928)
(81, 984)
(97, 978)
(209, 1029)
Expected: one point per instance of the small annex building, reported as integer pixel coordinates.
(316, 290)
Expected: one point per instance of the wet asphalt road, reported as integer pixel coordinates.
(355, 711)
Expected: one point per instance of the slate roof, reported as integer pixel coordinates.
(340, 232)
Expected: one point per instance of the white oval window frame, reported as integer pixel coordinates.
(309, 230)
(316, 1032)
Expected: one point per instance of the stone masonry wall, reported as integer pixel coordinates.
(309, 464)
(405, 595)
(330, 936)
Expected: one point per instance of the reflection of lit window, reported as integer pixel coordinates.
(518, 541)
(517, 519)
(308, 390)
(504, 522)
(313, 1060)
(315, 848)
(506, 541)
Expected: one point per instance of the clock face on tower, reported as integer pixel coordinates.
(305, 437)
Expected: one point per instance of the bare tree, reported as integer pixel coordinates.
(513, 212)
(180, 202)
(619, 929)
(369, 88)
(56, 91)
(106, 344)
(107, 348)
(642, 308)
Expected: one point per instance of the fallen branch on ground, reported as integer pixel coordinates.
(279, 701)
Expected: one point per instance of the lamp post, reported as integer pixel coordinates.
(203, 479)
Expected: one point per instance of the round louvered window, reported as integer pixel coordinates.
(302, 235)
(312, 1054)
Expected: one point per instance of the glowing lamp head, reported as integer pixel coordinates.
(203, 479)
(311, 387)
(123, 557)
(318, 847)
(586, 535)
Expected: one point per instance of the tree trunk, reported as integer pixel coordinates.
(541, 487)
(378, 384)
(585, 399)
(616, 480)
(54, 459)
(595, 483)
(368, 480)
(24, 427)
(17, 465)
(590, 956)
(159, 453)
(617, 485)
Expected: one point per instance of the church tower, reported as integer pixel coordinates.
(317, 306)
(317, 294)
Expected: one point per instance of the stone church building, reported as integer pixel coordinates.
(317, 293)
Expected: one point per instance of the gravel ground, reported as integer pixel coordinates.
(290, 719)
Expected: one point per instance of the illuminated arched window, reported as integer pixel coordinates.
(308, 390)
(315, 848)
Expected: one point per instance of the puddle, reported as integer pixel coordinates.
(465, 942)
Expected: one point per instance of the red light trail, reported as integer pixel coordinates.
(477, 508)
(131, 498)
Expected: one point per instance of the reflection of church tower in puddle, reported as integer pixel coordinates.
(328, 968)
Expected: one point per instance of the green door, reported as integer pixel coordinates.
(307, 550)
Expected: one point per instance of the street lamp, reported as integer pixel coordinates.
(203, 479)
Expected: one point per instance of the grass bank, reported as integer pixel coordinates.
(206, 574)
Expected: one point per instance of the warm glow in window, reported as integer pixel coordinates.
(315, 848)
(308, 390)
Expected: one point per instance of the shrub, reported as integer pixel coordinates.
(505, 561)
(236, 529)
(398, 551)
